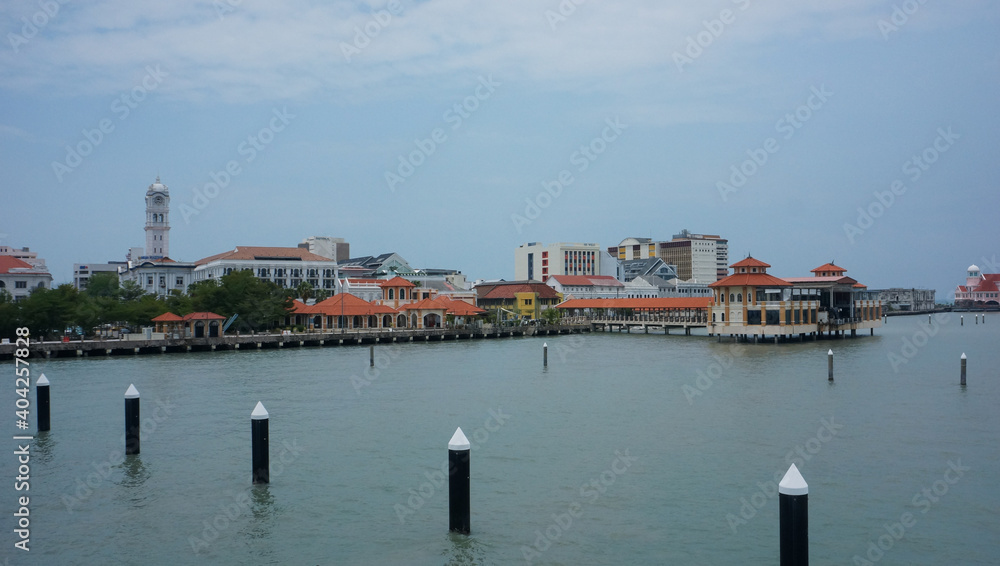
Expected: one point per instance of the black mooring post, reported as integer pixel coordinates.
(260, 463)
(132, 420)
(793, 509)
(42, 400)
(459, 510)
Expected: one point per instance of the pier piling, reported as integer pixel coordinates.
(961, 320)
(829, 365)
(132, 426)
(260, 458)
(793, 509)
(545, 353)
(371, 356)
(42, 400)
(459, 509)
(964, 359)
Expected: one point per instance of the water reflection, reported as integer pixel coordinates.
(465, 550)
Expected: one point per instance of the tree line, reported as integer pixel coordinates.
(49, 313)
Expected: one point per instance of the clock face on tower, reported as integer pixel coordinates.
(158, 200)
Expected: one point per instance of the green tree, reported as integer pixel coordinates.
(47, 312)
(552, 315)
(322, 295)
(304, 291)
(260, 304)
(130, 291)
(10, 314)
(103, 284)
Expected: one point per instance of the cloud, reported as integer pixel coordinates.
(269, 51)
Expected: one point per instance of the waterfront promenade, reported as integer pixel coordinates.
(116, 347)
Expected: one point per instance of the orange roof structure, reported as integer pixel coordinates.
(828, 267)
(265, 253)
(506, 290)
(669, 303)
(168, 317)
(750, 280)
(750, 262)
(396, 281)
(425, 304)
(344, 304)
(8, 262)
(203, 316)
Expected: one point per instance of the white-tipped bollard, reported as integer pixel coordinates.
(964, 359)
(459, 508)
(260, 458)
(961, 320)
(132, 420)
(928, 319)
(793, 509)
(545, 353)
(42, 400)
(829, 365)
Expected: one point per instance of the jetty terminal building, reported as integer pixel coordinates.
(753, 304)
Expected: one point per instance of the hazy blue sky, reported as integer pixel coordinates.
(313, 105)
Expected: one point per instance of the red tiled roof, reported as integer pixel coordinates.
(827, 279)
(750, 262)
(396, 281)
(587, 280)
(203, 316)
(750, 280)
(168, 317)
(8, 262)
(254, 252)
(827, 267)
(652, 303)
(342, 303)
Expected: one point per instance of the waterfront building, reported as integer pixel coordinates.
(344, 311)
(25, 255)
(753, 302)
(906, 300)
(586, 286)
(980, 289)
(157, 221)
(192, 325)
(283, 266)
(518, 299)
(19, 277)
(82, 272)
(336, 249)
(537, 261)
(158, 276)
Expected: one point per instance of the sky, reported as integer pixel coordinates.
(861, 132)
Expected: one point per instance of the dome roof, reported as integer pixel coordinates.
(973, 267)
(157, 187)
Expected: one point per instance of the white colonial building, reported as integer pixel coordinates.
(21, 271)
(586, 286)
(285, 267)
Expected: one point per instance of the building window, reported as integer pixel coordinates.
(149, 280)
(20, 284)
(732, 298)
(180, 281)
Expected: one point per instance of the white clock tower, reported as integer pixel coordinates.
(157, 220)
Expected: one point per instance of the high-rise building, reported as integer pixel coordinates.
(537, 261)
(699, 258)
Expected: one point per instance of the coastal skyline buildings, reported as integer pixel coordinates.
(802, 130)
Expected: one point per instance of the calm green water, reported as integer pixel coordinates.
(348, 468)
